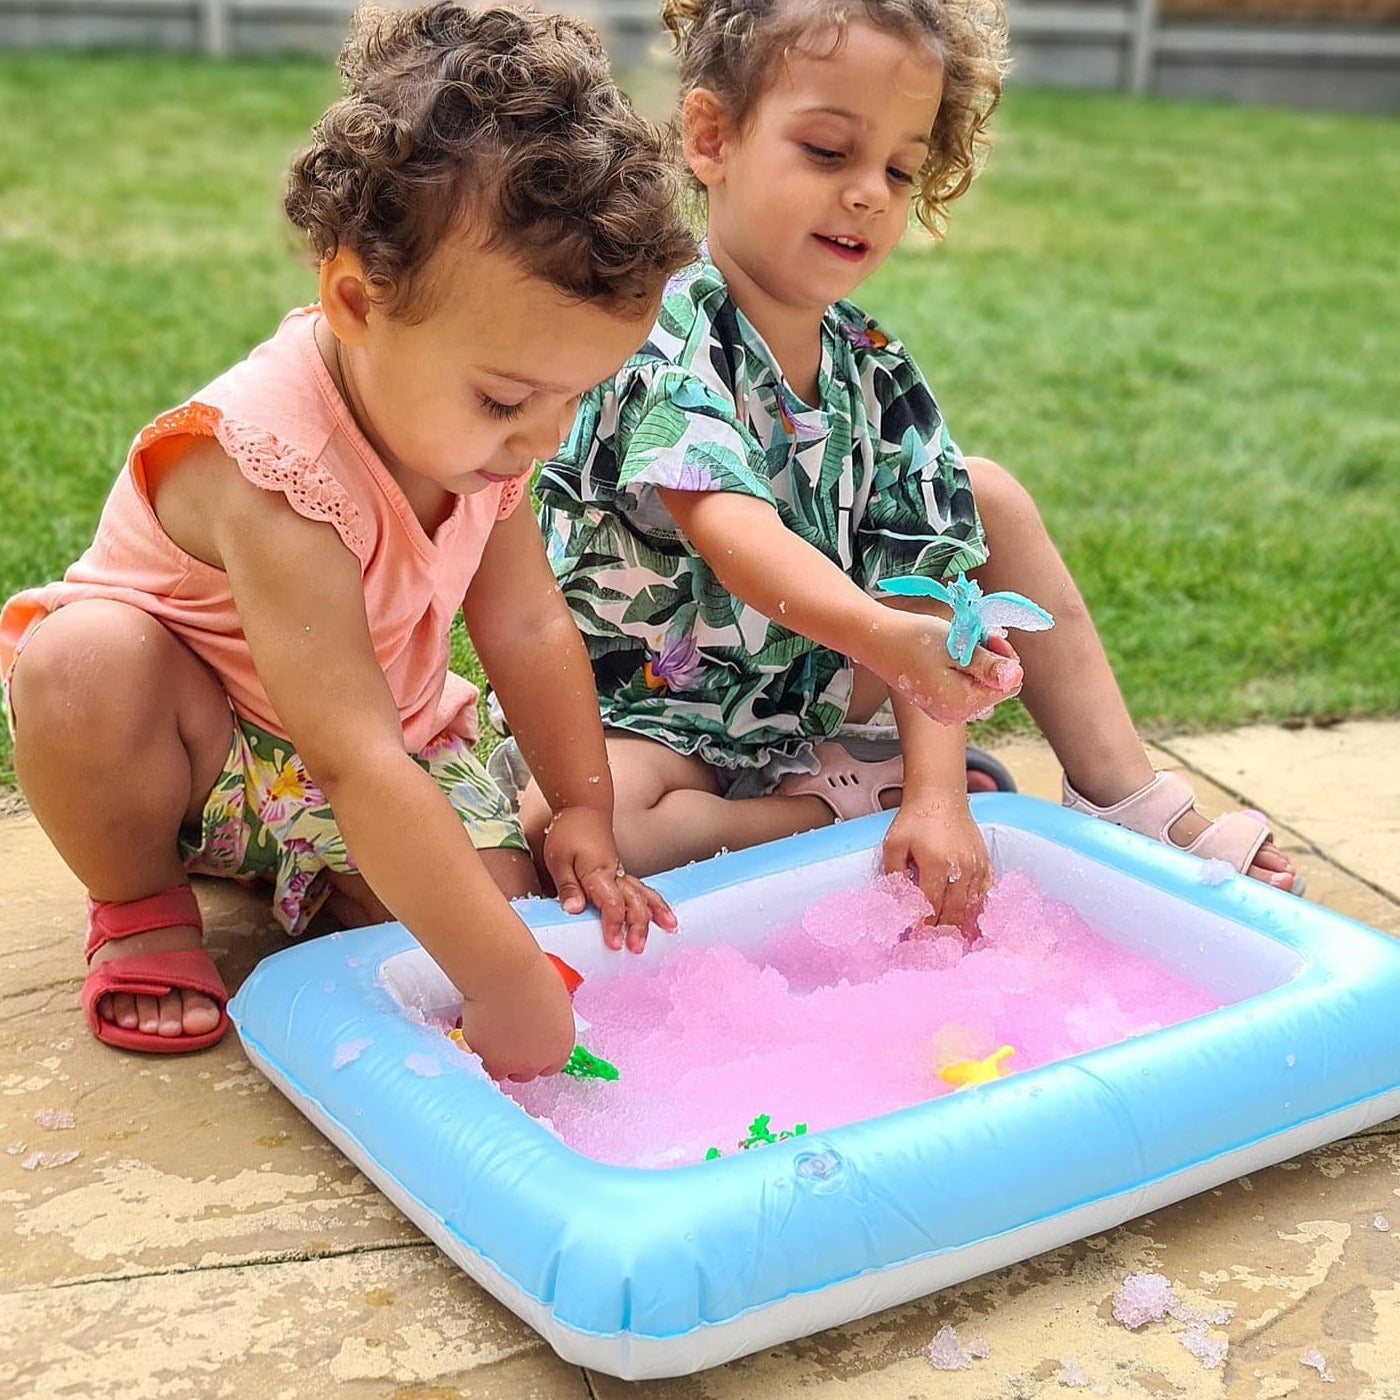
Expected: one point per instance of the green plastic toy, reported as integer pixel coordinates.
(583, 1065)
(760, 1134)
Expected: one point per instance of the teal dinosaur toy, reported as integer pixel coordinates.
(975, 615)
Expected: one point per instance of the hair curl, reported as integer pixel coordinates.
(732, 48)
(501, 120)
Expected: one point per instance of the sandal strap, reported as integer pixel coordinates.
(1150, 811)
(112, 919)
(1155, 808)
(157, 974)
(849, 786)
(1234, 838)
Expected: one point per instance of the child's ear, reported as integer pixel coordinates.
(704, 132)
(345, 299)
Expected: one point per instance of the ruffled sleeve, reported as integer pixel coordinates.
(920, 516)
(311, 490)
(674, 430)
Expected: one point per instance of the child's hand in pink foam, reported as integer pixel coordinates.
(518, 1018)
(581, 857)
(935, 833)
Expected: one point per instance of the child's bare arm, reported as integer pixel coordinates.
(758, 559)
(300, 598)
(933, 829)
(530, 649)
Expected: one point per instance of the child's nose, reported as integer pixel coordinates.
(867, 189)
(540, 435)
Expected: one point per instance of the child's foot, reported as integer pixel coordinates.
(1269, 864)
(1165, 810)
(178, 1012)
(150, 984)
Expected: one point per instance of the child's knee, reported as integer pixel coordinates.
(80, 674)
(1000, 497)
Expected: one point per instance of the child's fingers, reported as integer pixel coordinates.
(940, 883)
(967, 890)
(569, 892)
(638, 915)
(954, 909)
(897, 853)
(602, 889)
(933, 882)
(662, 915)
(995, 664)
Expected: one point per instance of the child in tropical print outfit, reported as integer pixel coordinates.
(725, 507)
(249, 664)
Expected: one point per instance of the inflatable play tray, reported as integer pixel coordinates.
(644, 1273)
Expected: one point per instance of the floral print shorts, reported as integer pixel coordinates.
(265, 819)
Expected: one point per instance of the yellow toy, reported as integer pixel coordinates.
(963, 1074)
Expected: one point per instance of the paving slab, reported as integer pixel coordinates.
(1338, 784)
(207, 1241)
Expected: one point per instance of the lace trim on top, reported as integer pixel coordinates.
(309, 488)
(511, 495)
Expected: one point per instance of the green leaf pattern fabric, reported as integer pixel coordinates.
(870, 477)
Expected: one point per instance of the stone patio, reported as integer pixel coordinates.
(206, 1241)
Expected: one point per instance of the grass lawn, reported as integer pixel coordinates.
(1175, 322)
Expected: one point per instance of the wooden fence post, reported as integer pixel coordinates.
(214, 35)
(1144, 45)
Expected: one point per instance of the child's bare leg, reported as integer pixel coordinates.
(868, 693)
(668, 809)
(1069, 687)
(513, 871)
(120, 733)
(355, 905)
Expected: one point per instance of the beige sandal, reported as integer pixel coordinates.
(850, 787)
(1154, 809)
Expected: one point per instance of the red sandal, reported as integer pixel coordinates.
(152, 974)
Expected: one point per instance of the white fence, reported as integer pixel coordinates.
(1115, 44)
(1132, 45)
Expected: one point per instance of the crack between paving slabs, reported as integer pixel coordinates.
(287, 1256)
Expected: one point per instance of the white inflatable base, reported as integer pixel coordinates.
(657, 1273)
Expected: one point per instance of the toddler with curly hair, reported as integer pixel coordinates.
(727, 506)
(246, 674)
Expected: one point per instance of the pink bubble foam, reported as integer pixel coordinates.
(1209, 1351)
(58, 1118)
(946, 1353)
(850, 1012)
(1143, 1298)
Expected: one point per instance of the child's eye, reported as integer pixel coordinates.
(501, 410)
(820, 152)
(900, 177)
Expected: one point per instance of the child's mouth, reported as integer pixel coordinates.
(850, 249)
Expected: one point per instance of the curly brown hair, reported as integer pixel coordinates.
(503, 121)
(732, 48)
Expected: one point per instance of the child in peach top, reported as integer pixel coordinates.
(248, 668)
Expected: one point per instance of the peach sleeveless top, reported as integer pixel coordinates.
(278, 416)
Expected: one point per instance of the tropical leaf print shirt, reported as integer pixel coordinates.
(870, 477)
